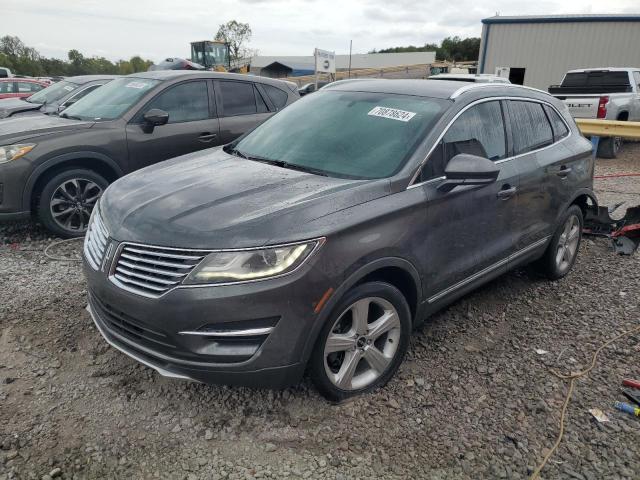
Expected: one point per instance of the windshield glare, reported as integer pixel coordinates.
(53, 93)
(346, 134)
(111, 100)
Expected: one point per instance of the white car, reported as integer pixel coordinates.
(470, 77)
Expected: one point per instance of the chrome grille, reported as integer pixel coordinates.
(95, 242)
(153, 271)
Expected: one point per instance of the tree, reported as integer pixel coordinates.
(24, 60)
(451, 48)
(237, 35)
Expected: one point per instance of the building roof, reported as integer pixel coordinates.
(563, 18)
(358, 60)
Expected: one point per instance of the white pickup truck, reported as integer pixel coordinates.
(606, 93)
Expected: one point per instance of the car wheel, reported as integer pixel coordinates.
(562, 252)
(363, 341)
(67, 200)
(609, 147)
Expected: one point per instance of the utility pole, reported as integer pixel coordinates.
(350, 48)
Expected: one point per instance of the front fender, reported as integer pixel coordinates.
(352, 279)
(60, 159)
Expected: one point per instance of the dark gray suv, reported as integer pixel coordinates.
(58, 166)
(320, 239)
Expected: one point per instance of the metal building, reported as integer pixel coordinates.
(284, 66)
(538, 50)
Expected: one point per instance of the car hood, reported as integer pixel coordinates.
(215, 200)
(9, 106)
(13, 130)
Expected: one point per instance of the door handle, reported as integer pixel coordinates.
(507, 192)
(207, 137)
(564, 171)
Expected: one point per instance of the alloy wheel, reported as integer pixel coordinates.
(72, 202)
(362, 343)
(568, 243)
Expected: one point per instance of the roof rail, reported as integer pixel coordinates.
(473, 86)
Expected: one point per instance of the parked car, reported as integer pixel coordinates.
(56, 167)
(322, 237)
(176, 63)
(470, 77)
(311, 87)
(19, 87)
(5, 73)
(605, 93)
(55, 98)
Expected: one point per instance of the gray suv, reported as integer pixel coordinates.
(56, 167)
(323, 237)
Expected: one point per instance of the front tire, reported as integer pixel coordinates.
(562, 252)
(67, 200)
(363, 342)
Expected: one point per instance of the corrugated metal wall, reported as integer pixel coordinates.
(548, 50)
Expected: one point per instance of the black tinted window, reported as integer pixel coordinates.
(186, 102)
(238, 98)
(278, 97)
(560, 129)
(530, 127)
(478, 131)
(595, 79)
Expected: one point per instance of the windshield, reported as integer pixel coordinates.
(111, 100)
(53, 93)
(345, 134)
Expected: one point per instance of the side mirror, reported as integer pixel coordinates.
(467, 169)
(156, 117)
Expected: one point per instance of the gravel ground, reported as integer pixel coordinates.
(472, 400)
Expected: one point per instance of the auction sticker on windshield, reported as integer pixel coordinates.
(392, 113)
(136, 85)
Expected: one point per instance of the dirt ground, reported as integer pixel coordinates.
(473, 399)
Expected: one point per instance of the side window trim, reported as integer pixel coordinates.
(213, 103)
(416, 175)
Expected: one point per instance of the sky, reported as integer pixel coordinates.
(156, 29)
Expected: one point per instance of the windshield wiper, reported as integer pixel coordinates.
(290, 166)
(71, 117)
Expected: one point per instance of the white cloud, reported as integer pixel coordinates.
(156, 29)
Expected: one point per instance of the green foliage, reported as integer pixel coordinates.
(454, 49)
(237, 35)
(24, 60)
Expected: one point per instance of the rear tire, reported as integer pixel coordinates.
(362, 343)
(609, 147)
(67, 200)
(561, 254)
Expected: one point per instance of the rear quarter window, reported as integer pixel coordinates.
(560, 129)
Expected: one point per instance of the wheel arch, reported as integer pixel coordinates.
(623, 116)
(585, 199)
(396, 271)
(95, 161)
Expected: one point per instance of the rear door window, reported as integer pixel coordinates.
(278, 97)
(186, 102)
(560, 129)
(478, 131)
(530, 127)
(238, 98)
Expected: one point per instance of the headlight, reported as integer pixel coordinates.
(254, 264)
(13, 152)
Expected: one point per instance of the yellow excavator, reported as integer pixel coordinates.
(212, 55)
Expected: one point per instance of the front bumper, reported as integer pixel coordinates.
(156, 332)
